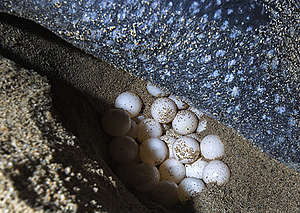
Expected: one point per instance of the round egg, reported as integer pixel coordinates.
(195, 169)
(172, 170)
(163, 110)
(116, 122)
(149, 128)
(189, 188)
(186, 149)
(179, 103)
(133, 131)
(185, 122)
(155, 91)
(129, 102)
(169, 141)
(153, 151)
(165, 192)
(212, 147)
(216, 172)
(123, 149)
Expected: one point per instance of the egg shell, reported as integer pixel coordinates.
(212, 147)
(189, 188)
(149, 128)
(116, 122)
(123, 149)
(195, 169)
(172, 170)
(130, 102)
(163, 110)
(216, 172)
(133, 131)
(155, 91)
(142, 176)
(153, 151)
(186, 149)
(185, 122)
(179, 103)
(169, 141)
(165, 192)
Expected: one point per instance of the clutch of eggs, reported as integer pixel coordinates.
(163, 155)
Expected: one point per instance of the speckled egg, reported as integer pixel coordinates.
(163, 110)
(149, 128)
(155, 91)
(189, 188)
(153, 151)
(216, 172)
(212, 147)
(169, 141)
(172, 170)
(185, 122)
(195, 169)
(186, 149)
(179, 103)
(129, 102)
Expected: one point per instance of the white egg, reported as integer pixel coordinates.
(116, 122)
(186, 149)
(189, 188)
(195, 169)
(179, 103)
(197, 112)
(155, 91)
(172, 170)
(163, 110)
(129, 102)
(185, 122)
(165, 192)
(142, 176)
(212, 147)
(169, 141)
(153, 151)
(195, 136)
(133, 131)
(216, 172)
(149, 128)
(123, 149)
(201, 126)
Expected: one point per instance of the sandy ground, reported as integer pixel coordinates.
(258, 183)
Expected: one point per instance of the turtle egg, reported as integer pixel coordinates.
(155, 91)
(163, 110)
(212, 147)
(195, 169)
(123, 149)
(153, 151)
(169, 141)
(186, 149)
(189, 188)
(148, 128)
(185, 122)
(179, 103)
(197, 112)
(165, 192)
(216, 172)
(129, 102)
(116, 122)
(133, 130)
(195, 136)
(172, 170)
(201, 126)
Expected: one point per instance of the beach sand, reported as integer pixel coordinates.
(258, 183)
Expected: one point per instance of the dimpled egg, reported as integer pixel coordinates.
(165, 192)
(212, 147)
(155, 91)
(123, 149)
(186, 149)
(179, 103)
(129, 102)
(185, 122)
(153, 151)
(163, 110)
(149, 128)
(116, 122)
(216, 172)
(189, 188)
(195, 169)
(172, 170)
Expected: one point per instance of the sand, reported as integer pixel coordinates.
(258, 183)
